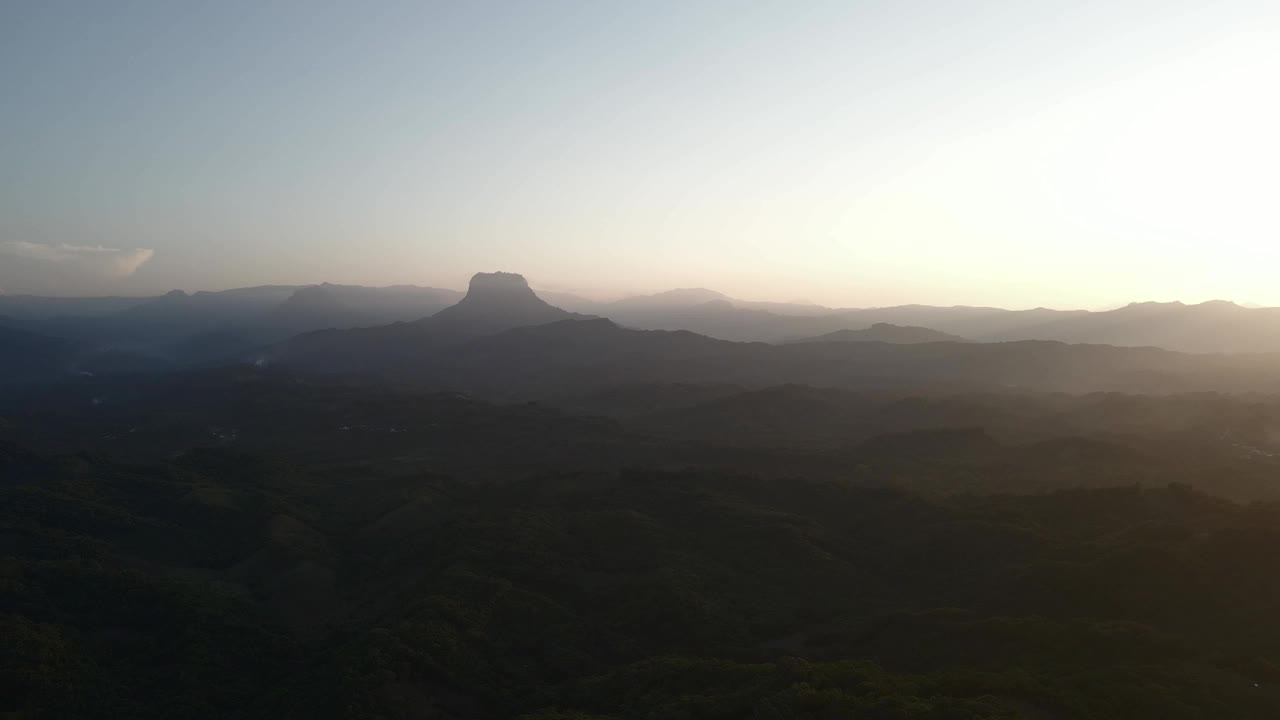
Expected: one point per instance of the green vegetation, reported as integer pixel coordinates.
(222, 584)
(235, 543)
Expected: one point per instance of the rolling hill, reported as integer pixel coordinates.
(884, 332)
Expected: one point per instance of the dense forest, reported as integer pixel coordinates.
(390, 553)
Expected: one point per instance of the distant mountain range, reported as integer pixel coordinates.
(570, 356)
(884, 332)
(494, 302)
(1210, 327)
(1216, 326)
(502, 341)
(404, 331)
(341, 306)
(208, 327)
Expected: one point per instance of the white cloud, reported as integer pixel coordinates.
(96, 260)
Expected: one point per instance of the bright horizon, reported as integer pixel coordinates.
(1074, 156)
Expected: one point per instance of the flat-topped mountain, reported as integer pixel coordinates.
(502, 340)
(494, 302)
(498, 301)
(169, 326)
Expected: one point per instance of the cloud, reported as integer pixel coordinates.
(95, 260)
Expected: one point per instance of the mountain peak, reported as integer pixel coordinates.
(497, 301)
(499, 283)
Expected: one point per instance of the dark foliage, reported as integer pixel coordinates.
(220, 583)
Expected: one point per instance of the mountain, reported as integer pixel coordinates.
(152, 324)
(1216, 326)
(975, 323)
(260, 316)
(720, 319)
(27, 356)
(1211, 327)
(31, 307)
(572, 302)
(1221, 443)
(225, 306)
(689, 297)
(884, 332)
(680, 297)
(713, 314)
(267, 314)
(796, 307)
(317, 307)
(498, 301)
(580, 356)
(180, 329)
(494, 302)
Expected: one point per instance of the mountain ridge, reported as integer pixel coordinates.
(885, 332)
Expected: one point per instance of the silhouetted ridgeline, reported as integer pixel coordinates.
(885, 332)
(502, 341)
(166, 330)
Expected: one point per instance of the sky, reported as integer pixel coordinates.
(1020, 154)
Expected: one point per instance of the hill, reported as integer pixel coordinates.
(36, 307)
(494, 302)
(268, 314)
(221, 305)
(1210, 327)
(252, 543)
(576, 356)
(326, 305)
(884, 332)
(27, 357)
(181, 330)
(714, 315)
(217, 583)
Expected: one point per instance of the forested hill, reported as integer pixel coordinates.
(241, 543)
(223, 585)
(536, 362)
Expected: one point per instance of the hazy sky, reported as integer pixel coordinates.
(1072, 154)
